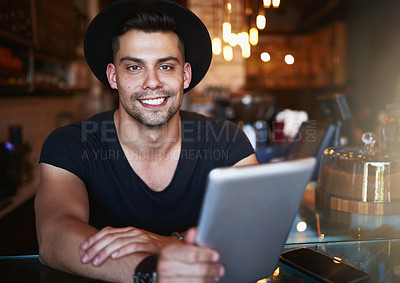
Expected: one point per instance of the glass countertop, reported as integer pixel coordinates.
(380, 258)
(369, 242)
(317, 224)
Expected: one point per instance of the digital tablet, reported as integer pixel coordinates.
(247, 214)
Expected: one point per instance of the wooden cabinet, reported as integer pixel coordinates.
(39, 46)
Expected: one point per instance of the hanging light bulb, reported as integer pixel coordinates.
(267, 3)
(265, 57)
(289, 59)
(216, 46)
(229, 7)
(246, 50)
(243, 38)
(226, 25)
(253, 36)
(233, 40)
(226, 31)
(261, 21)
(227, 53)
(276, 3)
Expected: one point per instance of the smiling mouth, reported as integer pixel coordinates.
(153, 102)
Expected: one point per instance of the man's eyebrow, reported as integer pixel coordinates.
(138, 60)
(129, 58)
(169, 58)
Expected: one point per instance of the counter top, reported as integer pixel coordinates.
(28, 269)
(369, 242)
(380, 258)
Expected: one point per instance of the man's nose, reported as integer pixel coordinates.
(152, 80)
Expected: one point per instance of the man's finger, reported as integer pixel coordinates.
(99, 235)
(182, 269)
(190, 236)
(190, 254)
(92, 253)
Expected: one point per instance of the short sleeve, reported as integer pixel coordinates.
(232, 143)
(65, 149)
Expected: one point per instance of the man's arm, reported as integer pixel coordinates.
(62, 214)
(249, 160)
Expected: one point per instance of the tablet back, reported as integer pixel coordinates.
(247, 214)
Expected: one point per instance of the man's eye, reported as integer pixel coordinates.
(133, 68)
(165, 67)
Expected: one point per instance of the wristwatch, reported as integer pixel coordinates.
(146, 271)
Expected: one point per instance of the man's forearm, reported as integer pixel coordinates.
(59, 247)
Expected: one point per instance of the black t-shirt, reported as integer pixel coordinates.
(91, 150)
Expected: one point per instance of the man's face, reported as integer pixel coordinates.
(150, 76)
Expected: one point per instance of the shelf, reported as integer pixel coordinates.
(13, 82)
(39, 53)
(36, 72)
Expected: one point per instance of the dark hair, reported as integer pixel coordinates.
(146, 21)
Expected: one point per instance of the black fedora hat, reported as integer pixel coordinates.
(97, 45)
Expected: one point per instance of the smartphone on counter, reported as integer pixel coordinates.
(322, 267)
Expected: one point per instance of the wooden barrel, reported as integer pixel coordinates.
(356, 206)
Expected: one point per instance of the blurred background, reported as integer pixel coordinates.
(345, 46)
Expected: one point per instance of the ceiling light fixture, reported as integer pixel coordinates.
(273, 3)
(226, 31)
(216, 46)
(265, 57)
(267, 3)
(253, 36)
(276, 3)
(289, 59)
(228, 53)
(261, 21)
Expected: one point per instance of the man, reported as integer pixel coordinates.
(118, 188)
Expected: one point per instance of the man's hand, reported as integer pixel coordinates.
(185, 262)
(118, 242)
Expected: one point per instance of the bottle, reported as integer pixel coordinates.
(22, 168)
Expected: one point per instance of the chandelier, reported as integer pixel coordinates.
(246, 31)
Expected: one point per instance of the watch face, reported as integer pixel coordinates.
(144, 277)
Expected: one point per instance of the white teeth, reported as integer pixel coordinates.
(156, 101)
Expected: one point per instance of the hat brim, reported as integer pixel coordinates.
(97, 44)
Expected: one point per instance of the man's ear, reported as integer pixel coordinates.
(187, 75)
(111, 76)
